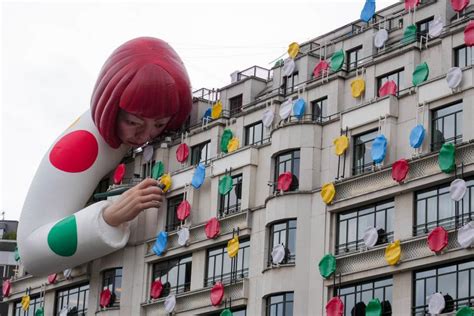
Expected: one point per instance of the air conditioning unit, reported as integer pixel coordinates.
(234, 77)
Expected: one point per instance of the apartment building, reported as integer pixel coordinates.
(264, 214)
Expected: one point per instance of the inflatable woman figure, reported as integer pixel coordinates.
(142, 90)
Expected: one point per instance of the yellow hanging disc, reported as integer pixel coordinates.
(357, 87)
(216, 110)
(233, 144)
(393, 253)
(341, 143)
(328, 191)
(166, 181)
(293, 50)
(233, 247)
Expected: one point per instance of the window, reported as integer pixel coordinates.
(320, 109)
(254, 134)
(397, 76)
(446, 125)
(172, 221)
(434, 207)
(201, 153)
(290, 83)
(351, 225)
(355, 297)
(75, 299)
(362, 148)
(283, 233)
(175, 275)
(463, 56)
(288, 162)
(35, 302)
(112, 279)
(230, 203)
(235, 104)
(353, 58)
(147, 167)
(454, 281)
(220, 266)
(280, 304)
(423, 27)
(238, 311)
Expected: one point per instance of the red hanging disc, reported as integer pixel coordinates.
(217, 293)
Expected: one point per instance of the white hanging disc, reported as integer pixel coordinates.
(370, 237)
(466, 235)
(278, 254)
(285, 109)
(267, 117)
(457, 189)
(454, 77)
(435, 27)
(436, 303)
(288, 67)
(183, 236)
(380, 38)
(170, 303)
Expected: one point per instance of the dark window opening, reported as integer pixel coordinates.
(201, 153)
(230, 203)
(175, 275)
(283, 233)
(362, 161)
(446, 125)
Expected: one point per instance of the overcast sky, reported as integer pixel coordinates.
(52, 52)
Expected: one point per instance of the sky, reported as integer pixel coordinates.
(52, 51)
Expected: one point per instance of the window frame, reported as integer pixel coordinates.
(323, 105)
(357, 170)
(248, 135)
(219, 254)
(423, 23)
(285, 301)
(35, 302)
(183, 261)
(290, 257)
(436, 145)
(116, 298)
(353, 65)
(466, 62)
(290, 79)
(462, 213)
(224, 200)
(235, 104)
(386, 206)
(295, 185)
(198, 149)
(437, 274)
(85, 300)
(400, 79)
(360, 288)
(172, 221)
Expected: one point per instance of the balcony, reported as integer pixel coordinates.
(198, 302)
(370, 112)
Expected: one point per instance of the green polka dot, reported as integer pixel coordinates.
(62, 238)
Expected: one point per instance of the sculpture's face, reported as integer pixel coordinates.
(134, 130)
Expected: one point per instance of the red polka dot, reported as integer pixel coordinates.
(75, 152)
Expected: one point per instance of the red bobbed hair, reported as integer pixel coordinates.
(144, 77)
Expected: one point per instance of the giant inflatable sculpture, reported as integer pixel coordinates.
(142, 90)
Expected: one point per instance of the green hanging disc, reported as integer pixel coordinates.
(226, 137)
(39, 311)
(279, 63)
(17, 254)
(374, 308)
(158, 170)
(420, 74)
(327, 266)
(465, 311)
(447, 158)
(337, 60)
(409, 35)
(226, 312)
(225, 184)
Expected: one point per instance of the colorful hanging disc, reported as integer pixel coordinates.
(183, 236)
(216, 110)
(454, 77)
(469, 34)
(388, 88)
(379, 148)
(357, 87)
(370, 237)
(278, 254)
(393, 253)
(299, 108)
(465, 311)
(438, 239)
(436, 303)
(374, 308)
(226, 137)
(267, 118)
(284, 181)
(225, 184)
(105, 297)
(156, 289)
(341, 144)
(6, 287)
(327, 265)
(183, 211)
(182, 152)
(368, 10)
(285, 109)
(457, 189)
(288, 67)
(161, 243)
(459, 5)
(466, 235)
(380, 38)
(158, 170)
(409, 35)
(217, 293)
(411, 4)
(293, 50)
(417, 135)
(52, 278)
(199, 176)
(226, 312)
(328, 191)
(170, 303)
(233, 247)
(320, 68)
(213, 228)
(420, 74)
(447, 158)
(165, 180)
(400, 170)
(119, 173)
(337, 60)
(233, 144)
(335, 307)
